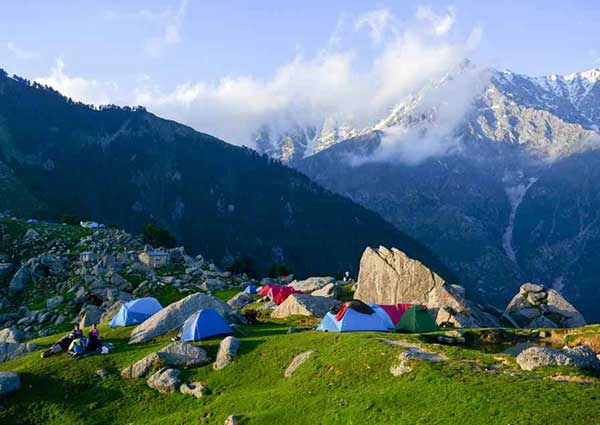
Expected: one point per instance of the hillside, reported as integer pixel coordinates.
(348, 381)
(127, 167)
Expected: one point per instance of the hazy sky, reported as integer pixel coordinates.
(197, 61)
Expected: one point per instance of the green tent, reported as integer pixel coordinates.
(417, 320)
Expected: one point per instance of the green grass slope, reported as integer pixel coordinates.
(348, 382)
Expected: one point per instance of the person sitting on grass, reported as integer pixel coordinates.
(94, 342)
(64, 343)
(78, 346)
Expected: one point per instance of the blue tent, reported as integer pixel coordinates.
(251, 289)
(354, 321)
(135, 312)
(204, 324)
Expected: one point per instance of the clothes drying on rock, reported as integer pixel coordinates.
(204, 324)
(135, 312)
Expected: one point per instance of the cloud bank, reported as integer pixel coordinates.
(334, 85)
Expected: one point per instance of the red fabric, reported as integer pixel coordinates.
(264, 290)
(278, 294)
(340, 314)
(396, 311)
(284, 292)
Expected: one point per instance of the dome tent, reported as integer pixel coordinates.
(204, 324)
(417, 320)
(135, 312)
(356, 321)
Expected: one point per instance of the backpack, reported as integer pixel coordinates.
(77, 346)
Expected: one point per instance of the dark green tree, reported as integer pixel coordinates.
(157, 236)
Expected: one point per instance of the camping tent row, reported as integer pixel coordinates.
(355, 316)
(203, 324)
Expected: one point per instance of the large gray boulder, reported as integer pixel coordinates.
(304, 305)
(9, 382)
(534, 357)
(389, 276)
(90, 314)
(331, 290)
(311, 284)
(165, 380)
(537, 307)
(173, 316)
(240, 301)
(176, 354)
(181, 353)
(110, 312)
(228, 350)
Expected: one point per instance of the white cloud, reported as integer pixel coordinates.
(354, 88)
(377, 22)
(19, 52)
(85, 90)
(170, 22)
(442, 23)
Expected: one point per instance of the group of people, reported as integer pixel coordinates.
(77, 344)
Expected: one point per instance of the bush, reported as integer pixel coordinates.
(243, 265)
(277, 270)
(157, 236)
(71, 219)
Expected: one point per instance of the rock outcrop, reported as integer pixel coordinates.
(240, 301)
(537, 307)
(391, 277)
(534, 357)
(303, 305)
(173, 316)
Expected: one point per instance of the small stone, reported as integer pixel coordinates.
(232, 420)
(9, 382)
(297, 362)
(102, 373)
(197, 389)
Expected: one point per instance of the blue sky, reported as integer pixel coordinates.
(177, 56)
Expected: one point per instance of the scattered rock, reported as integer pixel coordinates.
(311, 284)
(173, 316)
(165, 380)
(11, 335)
(303, 305)
(196, 389)
(297, 362)
(534, 357)
(12, 350)
(110, 312)
(141, 367)
(9, 382)
(54, 302)
(228, 350)
(391, 277)
(403, 367)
